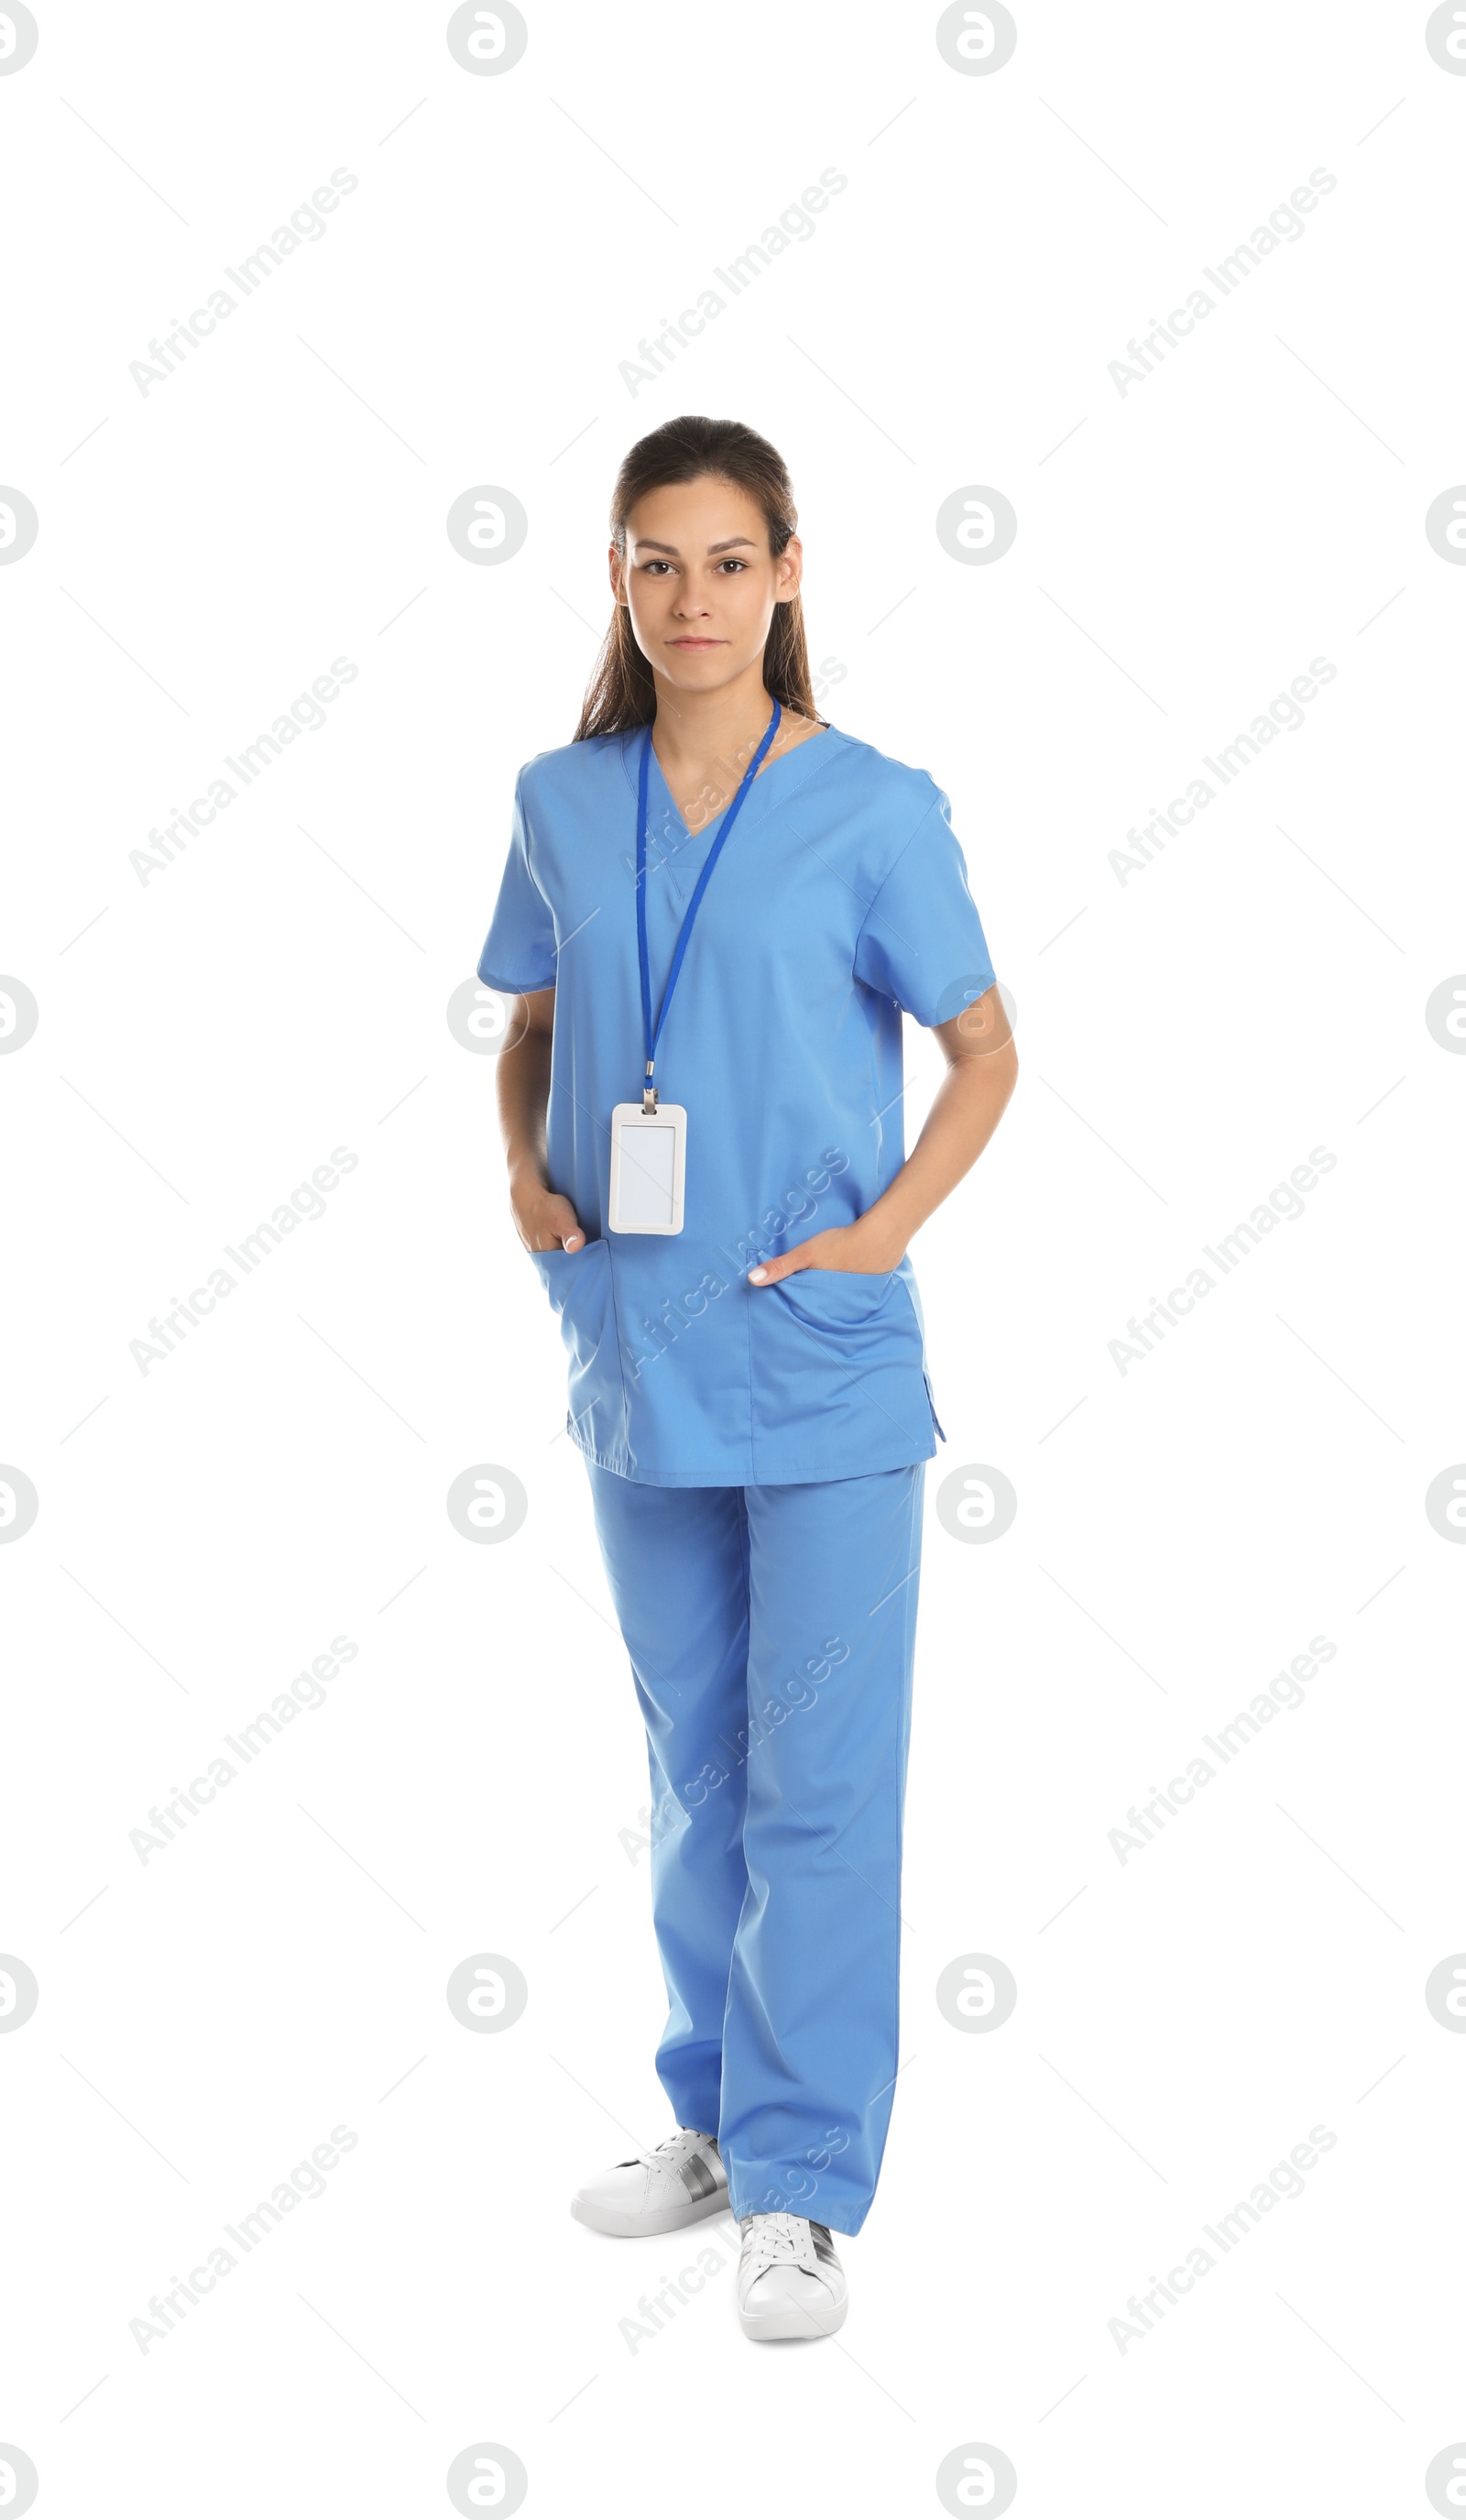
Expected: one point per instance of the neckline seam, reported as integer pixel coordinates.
(628, 734)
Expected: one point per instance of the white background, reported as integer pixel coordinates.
(207, 1037)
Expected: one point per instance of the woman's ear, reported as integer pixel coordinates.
(790, 570)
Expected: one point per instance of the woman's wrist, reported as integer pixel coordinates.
(879, 1238)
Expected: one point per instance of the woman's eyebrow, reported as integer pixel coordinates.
(735, 542)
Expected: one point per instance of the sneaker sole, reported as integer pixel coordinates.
(633, 2226)
(776, 2326)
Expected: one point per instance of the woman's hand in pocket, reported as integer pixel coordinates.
(866, 1248)
(543, 1219)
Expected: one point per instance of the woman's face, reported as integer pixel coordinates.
(701, 582)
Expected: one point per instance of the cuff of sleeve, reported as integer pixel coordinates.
(957, 995)
(512, 988)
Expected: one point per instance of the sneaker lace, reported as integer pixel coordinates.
(777, 2240)
(672, 2147)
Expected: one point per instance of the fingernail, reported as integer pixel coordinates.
(756, 1277)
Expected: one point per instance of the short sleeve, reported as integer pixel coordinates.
(519, 950)
(922, 941)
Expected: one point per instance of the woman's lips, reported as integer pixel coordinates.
(696, 642)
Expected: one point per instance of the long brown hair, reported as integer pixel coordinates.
(621, 692)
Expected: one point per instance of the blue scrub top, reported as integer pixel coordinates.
(840, 899)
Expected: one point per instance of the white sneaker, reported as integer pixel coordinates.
(683, 2181)
(790, 2281)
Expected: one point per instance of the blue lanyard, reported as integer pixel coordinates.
(652, 1035)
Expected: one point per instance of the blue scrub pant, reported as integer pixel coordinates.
(770, 1632)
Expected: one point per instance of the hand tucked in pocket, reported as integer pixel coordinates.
(543, 1219)
(865, 1248)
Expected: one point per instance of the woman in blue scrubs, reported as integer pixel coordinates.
(715, 910)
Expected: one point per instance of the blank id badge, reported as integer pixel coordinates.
(648, 1156)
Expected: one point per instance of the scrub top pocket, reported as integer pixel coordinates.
(841, 1349)
(838, 1298)
(579, 1286)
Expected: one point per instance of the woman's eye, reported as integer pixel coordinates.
(654, 568)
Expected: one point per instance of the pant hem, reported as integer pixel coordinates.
(848, 2230)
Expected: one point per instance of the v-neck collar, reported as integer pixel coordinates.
(754, 805)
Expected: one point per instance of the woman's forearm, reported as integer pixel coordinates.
(969, 1103)
(523, 1101)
